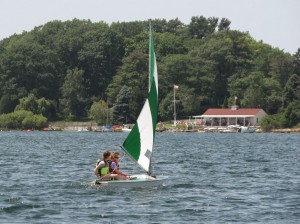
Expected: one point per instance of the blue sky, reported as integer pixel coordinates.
(275, 22)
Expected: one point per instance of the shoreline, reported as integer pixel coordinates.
(168, 130)
(93, 127)
(285, 130)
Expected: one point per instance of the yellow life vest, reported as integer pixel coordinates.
(104, 170)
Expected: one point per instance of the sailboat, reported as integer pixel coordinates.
(139, 143)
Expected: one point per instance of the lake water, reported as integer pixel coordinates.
(213, 178)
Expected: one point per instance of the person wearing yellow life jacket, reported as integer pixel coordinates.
(105, 167)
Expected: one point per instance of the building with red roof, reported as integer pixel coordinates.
(232, 116)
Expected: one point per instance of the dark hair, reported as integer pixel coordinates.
(106, 154)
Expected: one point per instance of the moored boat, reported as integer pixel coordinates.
(246, 129)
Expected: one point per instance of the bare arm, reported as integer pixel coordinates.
(100, 165)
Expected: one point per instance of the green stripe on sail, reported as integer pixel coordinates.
(152, 97)
(132, 144)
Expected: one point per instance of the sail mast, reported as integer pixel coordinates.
(149, 83)
(150, 33)
(139, 142)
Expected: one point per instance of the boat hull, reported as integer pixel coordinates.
(245, 129)
(138, 180)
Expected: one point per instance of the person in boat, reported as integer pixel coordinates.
(115, 158)
(105, 167)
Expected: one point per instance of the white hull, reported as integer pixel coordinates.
(140, 180)
(83, 129)
(245, 129)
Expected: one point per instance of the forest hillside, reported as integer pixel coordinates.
(76, 70)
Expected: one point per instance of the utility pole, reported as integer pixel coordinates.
(174, 100)
(107, 111)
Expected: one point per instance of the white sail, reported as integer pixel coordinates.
(139, 143)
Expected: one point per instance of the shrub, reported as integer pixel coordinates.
(22, 119)
(272, 122)
(291, 114)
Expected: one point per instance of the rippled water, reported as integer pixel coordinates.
(213, 178)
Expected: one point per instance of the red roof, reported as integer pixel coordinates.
(239, 112)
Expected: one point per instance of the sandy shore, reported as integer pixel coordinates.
(286, 130)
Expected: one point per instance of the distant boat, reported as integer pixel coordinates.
(83, 129)
(210, 129)
(140, 140)
(107, 128)
(117, 128)
(246, 129)
(126, 128)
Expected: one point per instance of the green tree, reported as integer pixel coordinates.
(46, 108)
(174, 25)
(166, 107)
(34, 122)
(230, 55)
(29, 66)
(134, 74)
(281, 66)
(29, 104)
(8, 103)
(22, 119)
(224, 24)
(37, 106)
(190, 71)
(186, 103)
(74, 102)
(272, 122)
(174, 69)
(292, 114)
(129, 29)
(297, 62)
(291, 90)
(99, 58)
(121, 110)
(168, 44)
(100, 113)
(200, 27)
(255, 90)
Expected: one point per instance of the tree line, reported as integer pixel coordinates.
(78, 69)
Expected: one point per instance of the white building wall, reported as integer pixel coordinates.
(260, 115)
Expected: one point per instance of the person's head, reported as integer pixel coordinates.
(116, 155)
(106, 155)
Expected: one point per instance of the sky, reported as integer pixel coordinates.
(275, 22)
